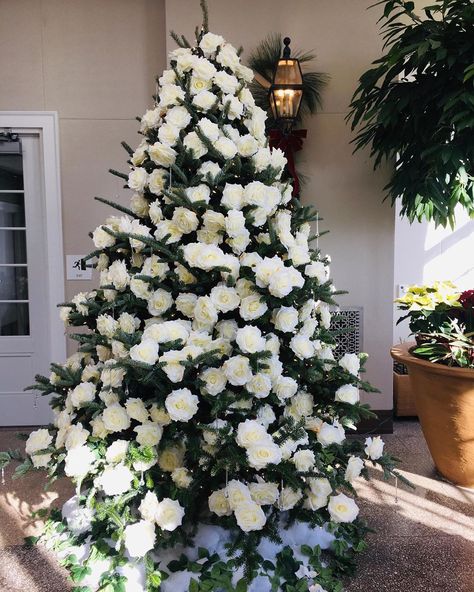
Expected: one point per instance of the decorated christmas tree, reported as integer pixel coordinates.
(204, 416)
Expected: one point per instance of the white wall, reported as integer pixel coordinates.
(348, 193)
(425, 254)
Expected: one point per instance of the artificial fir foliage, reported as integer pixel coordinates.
(204, 416)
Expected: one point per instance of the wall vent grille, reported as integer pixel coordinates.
(347, 323)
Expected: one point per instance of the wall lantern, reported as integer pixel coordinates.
(286, 90)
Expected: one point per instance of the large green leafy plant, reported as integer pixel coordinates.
(416, 106)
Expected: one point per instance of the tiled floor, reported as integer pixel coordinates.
(424, 541)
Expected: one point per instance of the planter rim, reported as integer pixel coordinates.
(402, 353)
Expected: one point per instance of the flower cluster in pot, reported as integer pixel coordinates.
(206, 387)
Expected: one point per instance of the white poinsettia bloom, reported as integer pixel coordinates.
(169, 514)
(347, 393)
(374, 447)
(139, 538)
(342, 508)
(237, 370)
(250, 516)
(181, 404)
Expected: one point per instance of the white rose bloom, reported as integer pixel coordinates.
(215, 380)
(102, 239)
(233, 196)
(194, 143)
(157, 181)
(204, 99)
(237, 493)
(76, 436)
(205, 314)
(112, 377)
(350, 363)
(82, 394)
(251, 432)
(342, 508)
(227, 56)
(79, 519)
(317, 269)
(210, 42)
(171, 458)
(331, 434)
(273, 344)
(246, 96)
(219, 504)
(137, 179)
(256, 194)
(244, 72)
(98, 427)
(185, 303)
(209, 129)
(289, 498)
(199, 85)
(285, 318)
(374, 447)
(148, 434)
(155, 213)
(168, 331)
(309, 327)
(151, 119)
(173, 368)
(274, 370)
(250, 340)
(186, 220)
(264, 494)
(116, 418)
(128, 323)
(203, 68)
(118, 275)
(148, 506)
(171, 94)
(139, 538)
(227, 329)
(213, 221)
(181, 404)
(159, 302)
(234, 107)
(252, 307)
(159, 415)
(347, 394)
(169, 514)
(184, 60)
(259, 385)
(250, 516)
(224, 299)
(278, 158)
(299, 254)
(115, 480)
(266, 415)
(285, 387)
(226, 147)
(235, 223)
(262, 454)
(79, 462)
(353, 469)
(261, 160)
(167, 228)
(226, 82)
(117, 452)
(283, 282)
(302, 346)
(146, 352)
(179, 117)
(304, 460)
(136, 409)
(301, 405)
(318, 494)
(162, 154)
(247, 145)
(237, 370)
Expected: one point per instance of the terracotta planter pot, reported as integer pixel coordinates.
(444, 399)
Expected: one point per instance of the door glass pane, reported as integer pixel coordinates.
(13, 283)
(14, 319)
(11, 171)
(12, 209)
(12, 246)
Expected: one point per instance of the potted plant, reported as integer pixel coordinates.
(441, 370)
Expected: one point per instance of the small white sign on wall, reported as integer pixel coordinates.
(76, 268)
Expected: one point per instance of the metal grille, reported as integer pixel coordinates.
(347, 324)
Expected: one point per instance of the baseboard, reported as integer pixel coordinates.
(382, 424)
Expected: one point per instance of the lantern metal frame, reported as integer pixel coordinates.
(286, 112)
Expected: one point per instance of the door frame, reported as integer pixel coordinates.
(47, 124)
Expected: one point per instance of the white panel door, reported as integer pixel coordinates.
(24, 305)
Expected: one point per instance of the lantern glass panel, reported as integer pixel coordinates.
(285, 102)
(288, 72)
